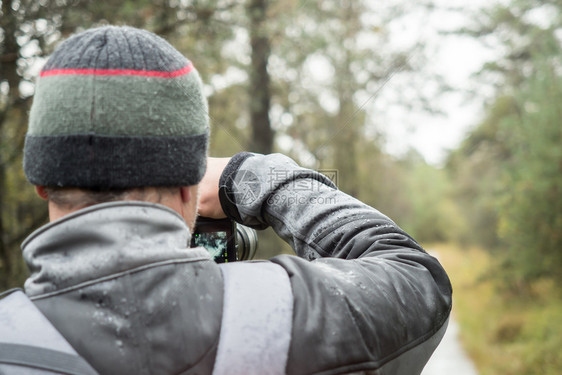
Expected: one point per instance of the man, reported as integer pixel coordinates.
(117, 144)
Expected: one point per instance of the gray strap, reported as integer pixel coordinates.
(257, 319)
(28, 339)
(45, 359)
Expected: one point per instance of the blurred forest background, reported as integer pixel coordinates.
(301, 77)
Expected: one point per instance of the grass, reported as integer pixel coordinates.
(504, 333)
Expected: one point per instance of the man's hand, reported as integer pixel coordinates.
(209, 204)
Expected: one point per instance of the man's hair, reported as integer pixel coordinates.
(72, 198)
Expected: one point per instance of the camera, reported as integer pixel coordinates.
(224, 239)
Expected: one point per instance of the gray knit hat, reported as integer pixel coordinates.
(117, 107)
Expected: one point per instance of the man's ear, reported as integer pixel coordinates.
(185, 194)
(40, 190)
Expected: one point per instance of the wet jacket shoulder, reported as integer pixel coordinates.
(367, 297)
(119, 282)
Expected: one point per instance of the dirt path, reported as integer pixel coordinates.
(449, 357)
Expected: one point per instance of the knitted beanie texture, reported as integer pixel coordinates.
(117, 107)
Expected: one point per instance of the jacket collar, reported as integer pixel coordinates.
(103, 240)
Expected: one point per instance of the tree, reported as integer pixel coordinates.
(475, 167)
(14, 219)
(28, 32)
(520, 30)
(515, 154)
(530, 214)
(259, 79)
(329, 65)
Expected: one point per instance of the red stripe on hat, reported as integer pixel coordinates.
(119, 72)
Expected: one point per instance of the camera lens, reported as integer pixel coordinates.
(246, 242)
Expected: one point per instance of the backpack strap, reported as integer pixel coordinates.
(29, 340)
(257, 319)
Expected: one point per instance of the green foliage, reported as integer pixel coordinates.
(508, 171)
(417, 196)
(475, 169)
(530, 210)
(434, 215)
(503, 333)
(20, 209)
(522, 30)
(508, 181)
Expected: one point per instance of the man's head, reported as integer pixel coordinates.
(117, 109)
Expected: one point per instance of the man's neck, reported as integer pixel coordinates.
(184, 201)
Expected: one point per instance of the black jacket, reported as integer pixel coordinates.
(119, 283)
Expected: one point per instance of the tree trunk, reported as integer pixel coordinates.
(8, 73)
(348, 119)
(259, 86)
